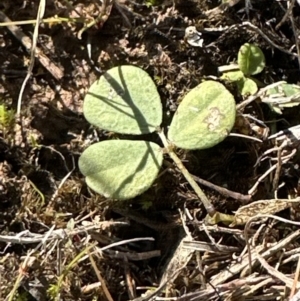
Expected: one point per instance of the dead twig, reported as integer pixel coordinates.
(129, 280)
(243, 263)
(224, 191)
(258, 286)
(263, 35)
(55, 71)
(278, 246)
(221, 8)
(286, 15)
(275, 273)
(294, 28)
(100, 278)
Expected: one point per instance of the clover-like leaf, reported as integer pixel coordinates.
(121, 169)
(204, 118)
(124, 100)
(247, 86)
(233, 76)
(244, 84)
(251, 59)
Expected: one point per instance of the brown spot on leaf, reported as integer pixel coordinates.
(214, 118)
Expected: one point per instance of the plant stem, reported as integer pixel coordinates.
(207, 204)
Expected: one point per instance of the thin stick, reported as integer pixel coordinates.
(260, 179)
(100, 278)
(224, 191)
(286, 15)
(294, 28)
(278, 170)
(21, 276)
(255, 28)
(55, 71)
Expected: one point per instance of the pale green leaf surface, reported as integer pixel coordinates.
(251, 59)
(124, 100)
(233, 76)
(121, 169)
(204, 118)
(247, 86)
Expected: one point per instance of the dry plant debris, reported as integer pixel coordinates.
(60, 241)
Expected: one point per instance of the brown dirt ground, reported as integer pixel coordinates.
(41, 187)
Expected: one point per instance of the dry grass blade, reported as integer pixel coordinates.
(244, 213)
(39, 17)
(209, 247)
(180, 257)
(236, 267)
(179, 260)
(29, 260)
(100, 278)
(275, 273)
(27, 237)
(248, 224)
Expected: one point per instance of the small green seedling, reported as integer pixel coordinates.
(251, 61)
(125, 100)
(7, 122)
(7, 118)
(150, 3)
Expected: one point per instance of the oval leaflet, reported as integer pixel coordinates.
(204, 118)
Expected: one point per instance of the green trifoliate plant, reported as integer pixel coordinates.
(125, 100)
(251, 61)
